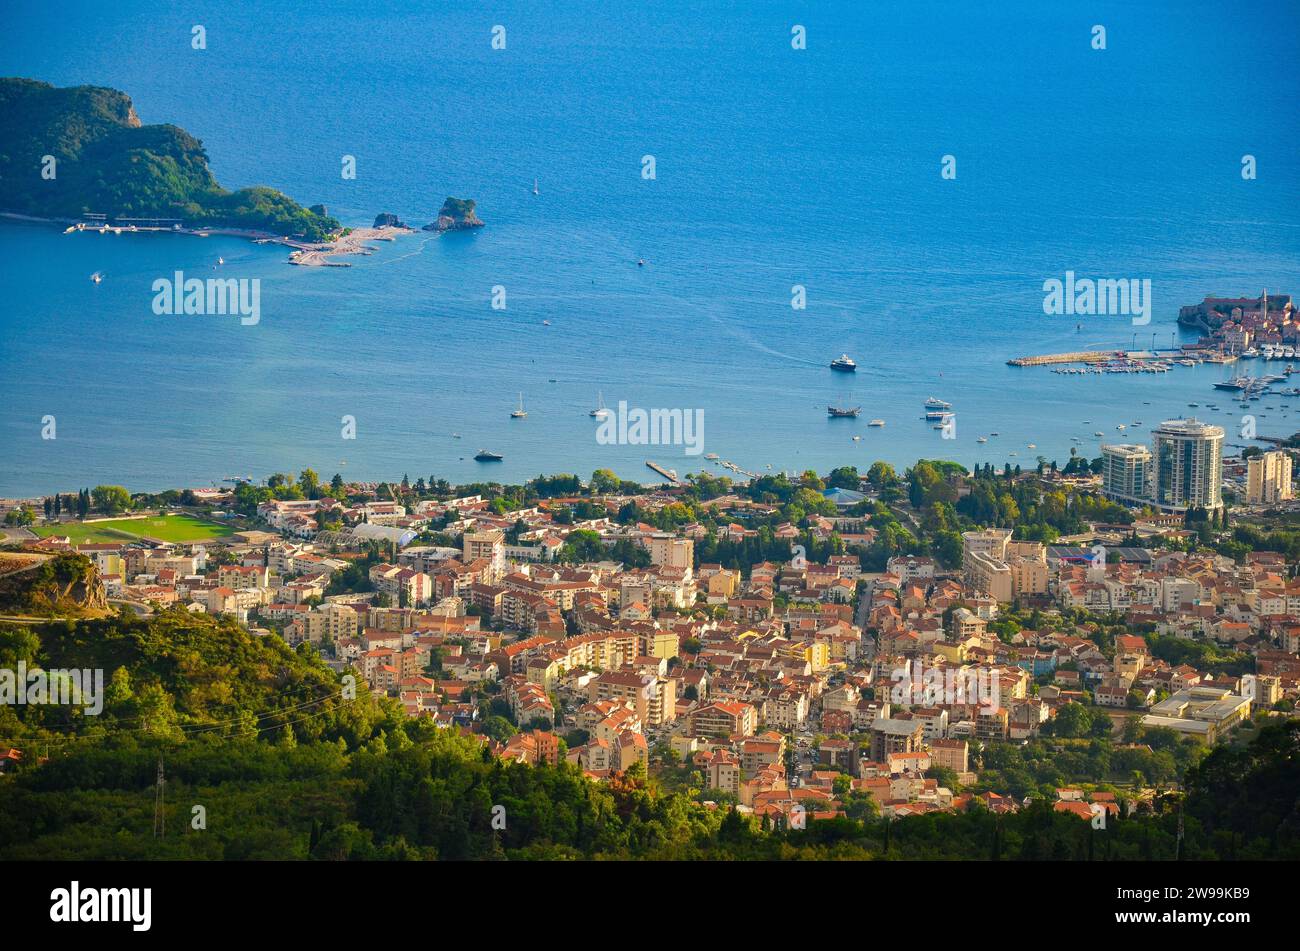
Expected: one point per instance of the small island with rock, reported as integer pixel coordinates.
(81, 157)
(456, 214)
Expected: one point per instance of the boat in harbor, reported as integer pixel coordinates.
(1236, 384)
(484, 455)
(936, 408)
(711, 456)
(519, 413)
(877, 423)
(844, 364)
(600, 412)
(843, 412)
(983, 439)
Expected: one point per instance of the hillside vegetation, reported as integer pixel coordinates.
(285, 766)
(109, 163)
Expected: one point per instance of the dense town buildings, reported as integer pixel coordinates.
(766, 680)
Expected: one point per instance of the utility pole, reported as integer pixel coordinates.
(159, 816)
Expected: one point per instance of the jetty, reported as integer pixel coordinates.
(669, 474)
(1080, 356)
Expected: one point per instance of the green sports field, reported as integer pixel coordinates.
(168, 528)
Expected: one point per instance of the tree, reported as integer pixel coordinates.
(110, 499)
(309, 483)
(881, 474)
(19, 516)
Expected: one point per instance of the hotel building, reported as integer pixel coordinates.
(1126, 474)
(1188, 465)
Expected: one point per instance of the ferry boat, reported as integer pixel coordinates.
(935, 403)
(484, 455)
(519, 413)
(600, 412)
(877, 423)
(844, 364)
(842, 411)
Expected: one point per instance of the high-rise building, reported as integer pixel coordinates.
(489, 545)
(1188, 465)
(1126, 474)
(673, 552)
(1268, 478)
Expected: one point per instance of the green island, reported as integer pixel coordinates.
(105, 161)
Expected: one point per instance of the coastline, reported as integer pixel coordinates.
(304, 253)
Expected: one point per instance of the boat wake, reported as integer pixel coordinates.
(402, 257)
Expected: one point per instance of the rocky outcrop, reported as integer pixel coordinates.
(456, 214)
(66, 585)
(387, 220)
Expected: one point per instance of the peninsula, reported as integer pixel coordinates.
(82, 151)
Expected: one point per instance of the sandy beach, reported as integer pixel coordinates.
(353, 242)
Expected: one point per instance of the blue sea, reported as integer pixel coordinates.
(774, 167)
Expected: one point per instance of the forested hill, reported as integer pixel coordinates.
(286, 766)
(107, 162)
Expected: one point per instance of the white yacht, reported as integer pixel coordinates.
(600, 412)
